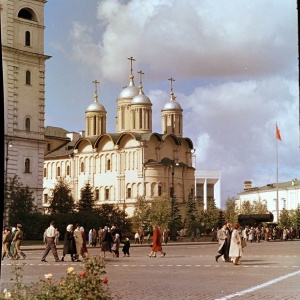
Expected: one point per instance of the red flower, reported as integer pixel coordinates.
(105, 280)
(82, 274)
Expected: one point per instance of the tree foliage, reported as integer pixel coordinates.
(176, 219)
(86, 201)
(141, 213)
(111, 215)
(160, 212)
(231, 212)
(210, 216)
(246, 208)
(285, 219)
(19, 201)
(62, 200)
(191, 222)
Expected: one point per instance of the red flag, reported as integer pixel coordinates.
(278, 137)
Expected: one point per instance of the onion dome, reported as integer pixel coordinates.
(172, 104)
(129, 91)
(141, 98)
(95, 106)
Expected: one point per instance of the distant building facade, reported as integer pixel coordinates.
(288, 196)
(208, 187)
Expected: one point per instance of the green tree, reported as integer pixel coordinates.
(86, 201)
(160, 212)
(211, 215)
(191, 222)
(19, 201)
(21, 209)
(176, 219)
(141, 213)
(246, 208)
(231, 211)
(259, 207)
(62, 200)
(297, 218)
(110, 215)
(285, 219)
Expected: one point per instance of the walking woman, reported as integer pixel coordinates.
(222, 239)
(107, 240)
(84, 251)
(156, 245)
(69, 243)
(236, 250)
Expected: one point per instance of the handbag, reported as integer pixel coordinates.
(244, 243)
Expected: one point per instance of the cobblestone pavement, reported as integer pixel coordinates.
(268, 271)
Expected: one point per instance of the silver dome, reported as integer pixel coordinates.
(141, 98)
(129, 91)
(95, 106)
(172, 105)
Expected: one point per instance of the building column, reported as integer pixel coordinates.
(205, 193)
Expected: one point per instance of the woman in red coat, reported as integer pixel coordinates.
(156, 245)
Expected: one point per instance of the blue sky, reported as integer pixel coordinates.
(235, 65)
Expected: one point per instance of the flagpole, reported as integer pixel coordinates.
(277, 202)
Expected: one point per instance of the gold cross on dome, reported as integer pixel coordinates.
(96, 82)
(131, 60)
(141, 74)
(171, 79)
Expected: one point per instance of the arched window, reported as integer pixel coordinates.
(27, 38)
(27, 13)
(140, 118)
(95, 125)
(68, 170)
(108, 165)
(97, 195)
(28, 77)
(82, 167)
(45, 172)
(58, 171)
(27, 124)
(27, 165)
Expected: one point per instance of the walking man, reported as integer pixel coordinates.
(50, 238)
(17, 240)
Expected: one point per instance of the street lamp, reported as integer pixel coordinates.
(8, 145)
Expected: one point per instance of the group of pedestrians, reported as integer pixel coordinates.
(74, 243)
(111, 241)
(11, 242)
(230, 240)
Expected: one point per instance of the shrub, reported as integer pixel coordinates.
(89, 284)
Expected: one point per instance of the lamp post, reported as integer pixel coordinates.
(8, 145)
(172, 194)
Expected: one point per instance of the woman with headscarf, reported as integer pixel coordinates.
(107, 240)
(69, 243)
(156, 245)
(116, 246)
(235, 250)
(84, 250)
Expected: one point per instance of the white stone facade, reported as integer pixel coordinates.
(288, 196)
(22, 24)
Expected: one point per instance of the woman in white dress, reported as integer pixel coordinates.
(235, 250)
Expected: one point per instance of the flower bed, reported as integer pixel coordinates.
(89, 284)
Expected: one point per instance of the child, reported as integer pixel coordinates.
(126, 247)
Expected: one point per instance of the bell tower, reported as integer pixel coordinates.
(22, 25)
